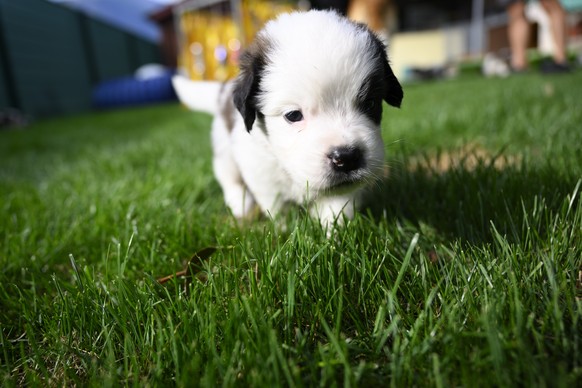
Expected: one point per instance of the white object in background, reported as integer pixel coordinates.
(535, 12)
(149, 71)
(493, 66)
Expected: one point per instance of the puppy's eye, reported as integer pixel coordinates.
(294, 116)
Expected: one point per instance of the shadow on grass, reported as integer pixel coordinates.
(464, 199)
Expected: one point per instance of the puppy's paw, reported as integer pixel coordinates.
(333, 211)
(241, 204)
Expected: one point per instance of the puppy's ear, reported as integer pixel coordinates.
(246, 87)
(393, 93)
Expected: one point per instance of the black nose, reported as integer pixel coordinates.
(346, 159)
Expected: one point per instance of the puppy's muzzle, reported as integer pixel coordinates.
(346, 159)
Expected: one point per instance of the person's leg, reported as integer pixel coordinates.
(518, 32)
(558, 25)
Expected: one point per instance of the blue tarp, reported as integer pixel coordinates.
(128, 91)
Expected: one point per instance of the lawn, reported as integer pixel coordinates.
(463, 270)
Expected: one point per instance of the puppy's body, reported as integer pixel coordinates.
(301, 123)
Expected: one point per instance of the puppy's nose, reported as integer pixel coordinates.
(346, 159)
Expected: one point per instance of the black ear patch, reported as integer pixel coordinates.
(392, 92)
(247, 85)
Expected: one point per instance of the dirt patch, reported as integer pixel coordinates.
(468, 157)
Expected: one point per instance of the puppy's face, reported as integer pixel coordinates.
(313, 83)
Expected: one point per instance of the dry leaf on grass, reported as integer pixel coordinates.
(193, 268)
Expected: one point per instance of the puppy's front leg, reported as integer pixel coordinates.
(237, 197)
(227, 173)
(330, 210)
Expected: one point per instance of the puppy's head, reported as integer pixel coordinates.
(313, 84)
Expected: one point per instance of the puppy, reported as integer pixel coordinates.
(301, 123)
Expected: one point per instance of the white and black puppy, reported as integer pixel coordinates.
(301, 123)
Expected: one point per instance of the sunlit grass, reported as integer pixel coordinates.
(457, 273)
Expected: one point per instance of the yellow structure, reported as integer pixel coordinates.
(425, 49)
(213, 36)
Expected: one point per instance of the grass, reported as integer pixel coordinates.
(462, 271)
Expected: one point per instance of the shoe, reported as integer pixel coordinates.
(552, 67)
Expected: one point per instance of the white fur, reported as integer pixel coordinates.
(201, 95)
(317, 64)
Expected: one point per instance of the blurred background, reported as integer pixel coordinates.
(61, 57)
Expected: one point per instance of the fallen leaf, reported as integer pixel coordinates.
(193, 267)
